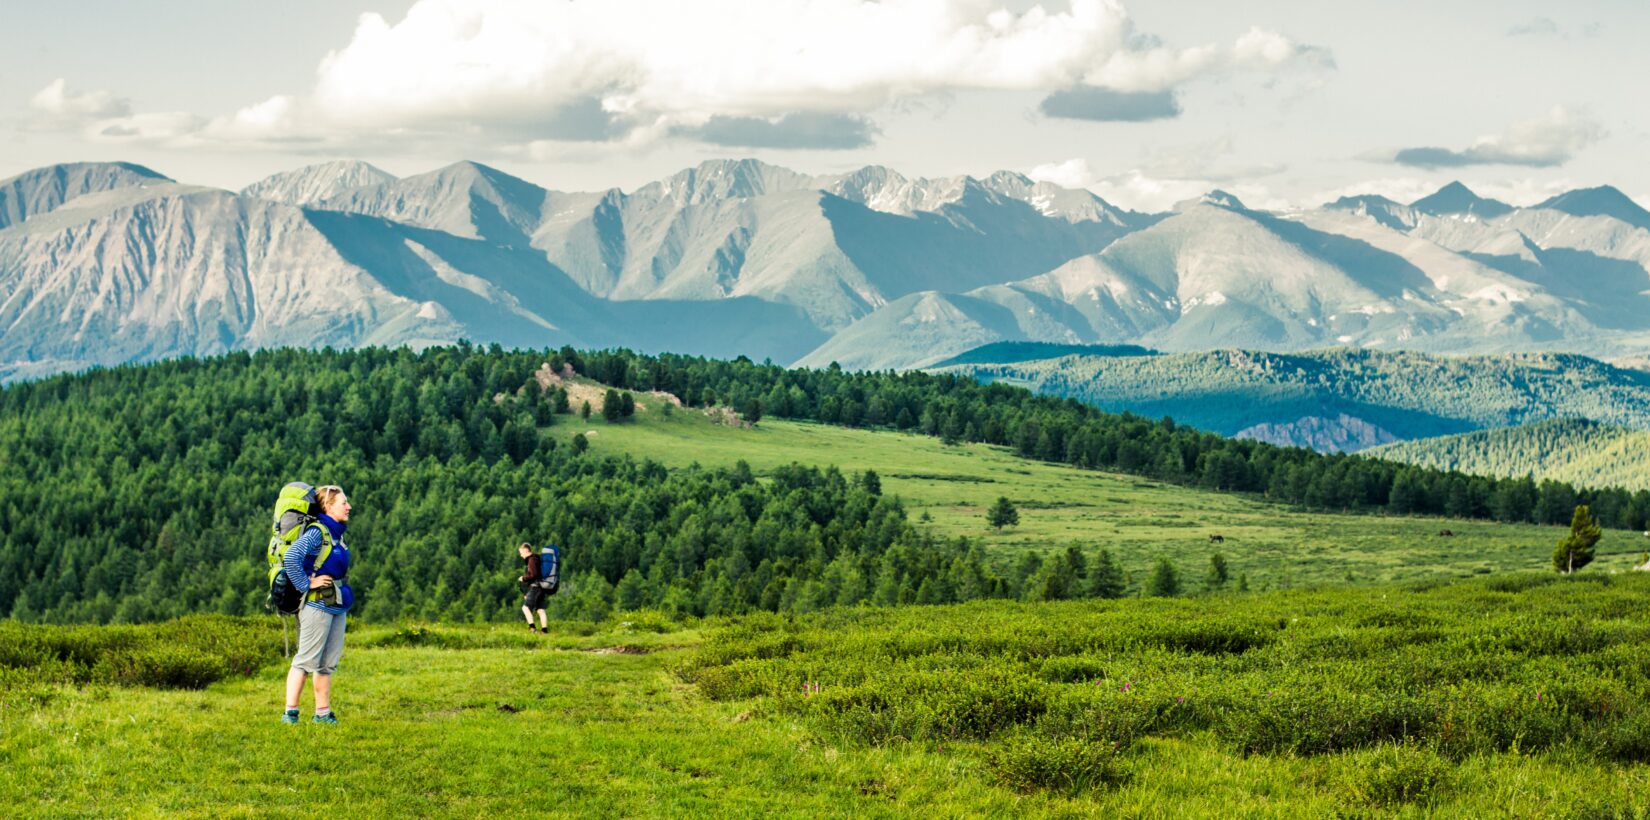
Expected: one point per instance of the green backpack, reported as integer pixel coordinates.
(295, 509)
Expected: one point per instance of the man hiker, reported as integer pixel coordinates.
(537, 579)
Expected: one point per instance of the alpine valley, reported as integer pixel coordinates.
(108, 263)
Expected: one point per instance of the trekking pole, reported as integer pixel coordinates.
(286, 645)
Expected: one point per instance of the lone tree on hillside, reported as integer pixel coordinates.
(612, 406)
(1165, 582)
(871, 482)
(1218, 573)
(753, 411)
(1576, 549)
(1106, 580)
(1002, 514)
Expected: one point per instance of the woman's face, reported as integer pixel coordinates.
(338, 510)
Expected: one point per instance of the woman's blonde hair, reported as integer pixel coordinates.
(324, 496)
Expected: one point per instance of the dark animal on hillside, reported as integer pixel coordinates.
(1446, 533)
(1215, 538)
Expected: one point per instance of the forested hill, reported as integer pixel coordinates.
(1581, 452)
(1338, 399)
(142, 492)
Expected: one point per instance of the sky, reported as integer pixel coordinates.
(1285, 103)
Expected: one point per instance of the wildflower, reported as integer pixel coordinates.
(1181, 699)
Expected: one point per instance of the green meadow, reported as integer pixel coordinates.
(1137, 518)
(1519, 696)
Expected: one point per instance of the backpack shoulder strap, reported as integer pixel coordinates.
(320, 555)
(326, 544)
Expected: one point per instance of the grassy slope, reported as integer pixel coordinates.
(618, 735)
(597, 734)
(1137, 518)
(1583, 453)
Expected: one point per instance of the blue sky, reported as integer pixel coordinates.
(1284, 103)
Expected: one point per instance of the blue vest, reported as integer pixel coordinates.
(336, 565)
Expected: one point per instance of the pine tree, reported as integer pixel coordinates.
(1165, 581)
(1002, 514)
(1576, 549)
(1106, 580)
(870, 482)
(1218, 574)
(612, 406)
(632, 591)
(584, 411)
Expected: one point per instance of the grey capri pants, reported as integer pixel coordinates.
(320, 641)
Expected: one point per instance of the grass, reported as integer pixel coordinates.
(1138, 519)
(491, 722)
(463, 721)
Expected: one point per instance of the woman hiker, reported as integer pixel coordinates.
(316, 565)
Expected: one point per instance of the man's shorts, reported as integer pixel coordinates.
(534, 599)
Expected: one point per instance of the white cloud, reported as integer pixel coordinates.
(1072, 173)
(57, 107)
(157, 127)
(1161, 68)
(1544, 142)
(1167, 176)
(523, 72)
(103, 117)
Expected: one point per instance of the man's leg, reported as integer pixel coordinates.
(544, 621)
(527, 613)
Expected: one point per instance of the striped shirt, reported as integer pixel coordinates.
(308, 546)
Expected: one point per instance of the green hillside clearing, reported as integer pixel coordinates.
(1137, 518)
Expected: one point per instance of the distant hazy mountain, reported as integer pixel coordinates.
(1456, 199)
(1601, 201)
(142, 273)
(1339, 399)
(1451, 272)
(104, 263)
(1582, 452)
(42, 190)
(834, 247)
(314, 183)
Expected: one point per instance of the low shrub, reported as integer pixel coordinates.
(1390, 776)
(1030, 761)
(1449, 671)
(187, 653)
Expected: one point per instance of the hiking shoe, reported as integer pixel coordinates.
(328, 719)
(290, 717)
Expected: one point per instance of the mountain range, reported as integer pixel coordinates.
(106, 263)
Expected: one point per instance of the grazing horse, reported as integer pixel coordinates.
(1215, 538)
(1446, 533)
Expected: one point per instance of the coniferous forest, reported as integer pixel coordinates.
(143, 493)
